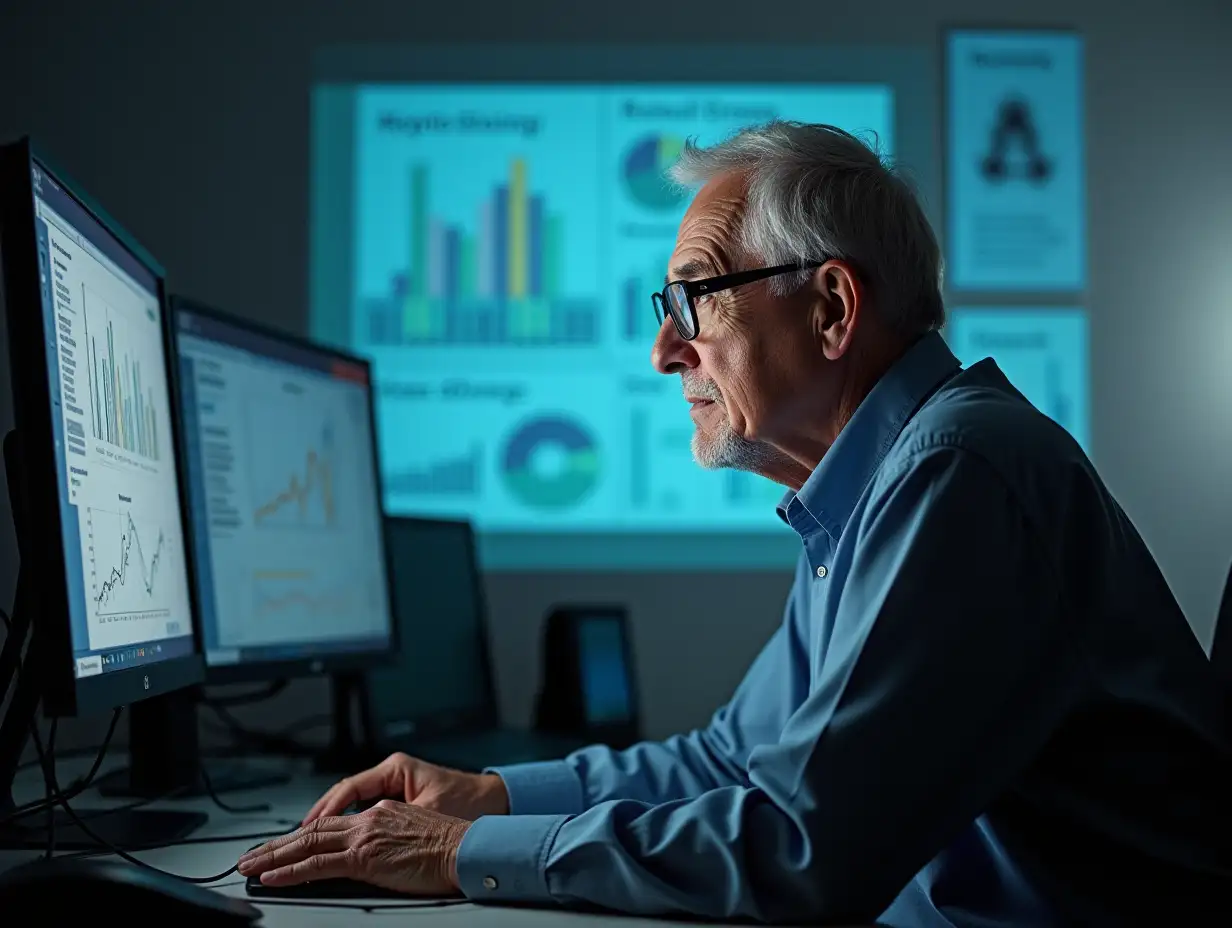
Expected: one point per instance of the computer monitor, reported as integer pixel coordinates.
(443, 679)
(106, 585)
(280, 443)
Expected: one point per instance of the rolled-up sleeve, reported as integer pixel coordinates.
(945, 672)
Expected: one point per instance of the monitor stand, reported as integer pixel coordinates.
(165, 756)
(123, 828)
(166, 759)
(351, 749)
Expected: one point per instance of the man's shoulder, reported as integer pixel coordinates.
(979, 412)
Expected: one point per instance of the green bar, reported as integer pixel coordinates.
(468, 266)
(417, 270)
(552, 243)
(98, 393)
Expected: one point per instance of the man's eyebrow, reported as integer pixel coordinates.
(690, 270)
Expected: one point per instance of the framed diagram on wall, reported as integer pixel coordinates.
(1015, 178)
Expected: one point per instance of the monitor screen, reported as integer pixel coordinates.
(286, 505)
(442, 674)
(122, 523)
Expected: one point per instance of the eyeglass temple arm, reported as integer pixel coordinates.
(740, 278)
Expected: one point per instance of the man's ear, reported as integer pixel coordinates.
(837, 304)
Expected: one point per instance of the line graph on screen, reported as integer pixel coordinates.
(292, 472)
(300, 600)
(126, 563)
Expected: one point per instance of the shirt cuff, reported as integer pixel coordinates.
(544, 788)
(503, 858)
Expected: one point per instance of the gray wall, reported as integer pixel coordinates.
(190, 121)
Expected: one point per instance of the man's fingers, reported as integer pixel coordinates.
(334, 801)
(319, 867)
(323, 826)
(367, 785)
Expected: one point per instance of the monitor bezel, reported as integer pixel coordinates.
(264, 670)
(449, 721)
(64, 694)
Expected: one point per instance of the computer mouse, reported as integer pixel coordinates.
(335, 888)
(64, 888)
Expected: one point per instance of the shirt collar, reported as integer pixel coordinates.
(829, 495)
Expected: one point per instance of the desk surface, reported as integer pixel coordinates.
(287, 804)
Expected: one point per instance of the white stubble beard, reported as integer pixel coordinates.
(722, 447)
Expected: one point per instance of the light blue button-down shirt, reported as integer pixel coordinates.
(983, 707)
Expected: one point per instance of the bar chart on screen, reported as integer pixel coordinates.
(123, 407)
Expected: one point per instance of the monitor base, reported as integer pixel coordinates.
(229, 777)
(127, 829)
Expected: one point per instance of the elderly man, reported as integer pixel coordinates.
(983, 705)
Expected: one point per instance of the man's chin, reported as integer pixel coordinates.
(705, 454)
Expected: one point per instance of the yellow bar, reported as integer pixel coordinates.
(518, 231)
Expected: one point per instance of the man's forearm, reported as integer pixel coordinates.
(653, 772)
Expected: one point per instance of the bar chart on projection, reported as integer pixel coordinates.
(123, 409)
(498, 282)
(477, 225)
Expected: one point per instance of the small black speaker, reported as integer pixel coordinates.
(588, 687)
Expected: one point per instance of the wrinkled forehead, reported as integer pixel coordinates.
(707, 242)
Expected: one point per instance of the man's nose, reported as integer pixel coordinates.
(671, 354)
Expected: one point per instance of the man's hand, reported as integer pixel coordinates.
(457, 794)
(393, 845)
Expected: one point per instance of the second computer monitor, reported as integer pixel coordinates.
(285, 500)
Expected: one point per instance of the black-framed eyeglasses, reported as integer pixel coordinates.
(676, 299)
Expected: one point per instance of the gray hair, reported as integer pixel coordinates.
(816, 193)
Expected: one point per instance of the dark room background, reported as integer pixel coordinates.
(190, 121)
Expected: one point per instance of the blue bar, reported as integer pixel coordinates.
(536, 245)
(453, 260)
(631, 326)
(500, 244)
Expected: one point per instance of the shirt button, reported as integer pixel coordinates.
(489, 882)
(821, 571)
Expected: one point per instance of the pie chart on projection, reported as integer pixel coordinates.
(645, 172)
(550, 463)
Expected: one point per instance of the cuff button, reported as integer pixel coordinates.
(489, 882)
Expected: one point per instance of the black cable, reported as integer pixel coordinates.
(38, 805)
(216, 839)
(217, 800)
(49, 785)
(71, 752)
(272, 743)
(307, 723)
(50, 769)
